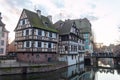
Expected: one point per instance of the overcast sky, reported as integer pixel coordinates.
(104, 15)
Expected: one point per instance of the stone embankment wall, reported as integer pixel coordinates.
(32, 69)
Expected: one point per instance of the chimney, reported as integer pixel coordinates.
(0, 16)
(50, 18)
(39, 13)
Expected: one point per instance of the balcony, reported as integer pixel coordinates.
(35, 37)
(37, 50)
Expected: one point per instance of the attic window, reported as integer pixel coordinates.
(61, 24)
(73, 24)
(46, 23)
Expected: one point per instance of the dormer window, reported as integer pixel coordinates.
(61, 24)
(73, 24)
(46, 23)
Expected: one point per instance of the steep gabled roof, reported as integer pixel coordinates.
(1, 23)
(39, 22)
(58, 25)
(84, 25)
(64, 27)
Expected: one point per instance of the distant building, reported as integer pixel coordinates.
(3, 38)
(12, 48)
(36, 39)
(86, 30)
(71, 43)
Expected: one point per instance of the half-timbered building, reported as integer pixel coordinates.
(70, 41)
(36, 38)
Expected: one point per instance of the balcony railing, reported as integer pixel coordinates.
(37, 50)
(35, 37)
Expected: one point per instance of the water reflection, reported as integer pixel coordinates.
(75, 72)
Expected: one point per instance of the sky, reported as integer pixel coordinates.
(104, 15)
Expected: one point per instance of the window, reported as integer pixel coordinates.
(39, 44)
(87, 42)
(86, 47)
(23, 21)
(66, 48)
(61, 24)
(65, 38)
(50, 34)
(49, 45)
(44, 45)
(71, 47)
(46, 23)
(27, 32)
(27, 44)
(86, 35)
(1, 50)
(39, 32)
(2, 42)
(83, 48)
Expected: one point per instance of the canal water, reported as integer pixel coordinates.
(75, 72)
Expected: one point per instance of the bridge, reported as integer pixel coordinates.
(93, 58)
(102, 55)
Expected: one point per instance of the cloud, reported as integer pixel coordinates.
(93, 5)
(90, 17)
(58, 3)
(100, 12)
(18, 3)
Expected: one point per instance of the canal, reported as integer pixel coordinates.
(75, 72)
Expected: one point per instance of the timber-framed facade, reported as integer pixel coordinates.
(36, 38)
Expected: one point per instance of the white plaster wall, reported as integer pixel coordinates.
(63, 58)
(5, 38)
(70, 60)
(81, 58)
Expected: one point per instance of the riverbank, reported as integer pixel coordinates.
(24, 68)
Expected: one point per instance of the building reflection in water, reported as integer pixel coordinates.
(75, 72)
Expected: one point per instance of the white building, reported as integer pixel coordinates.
(71, 43)
(3, 38)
